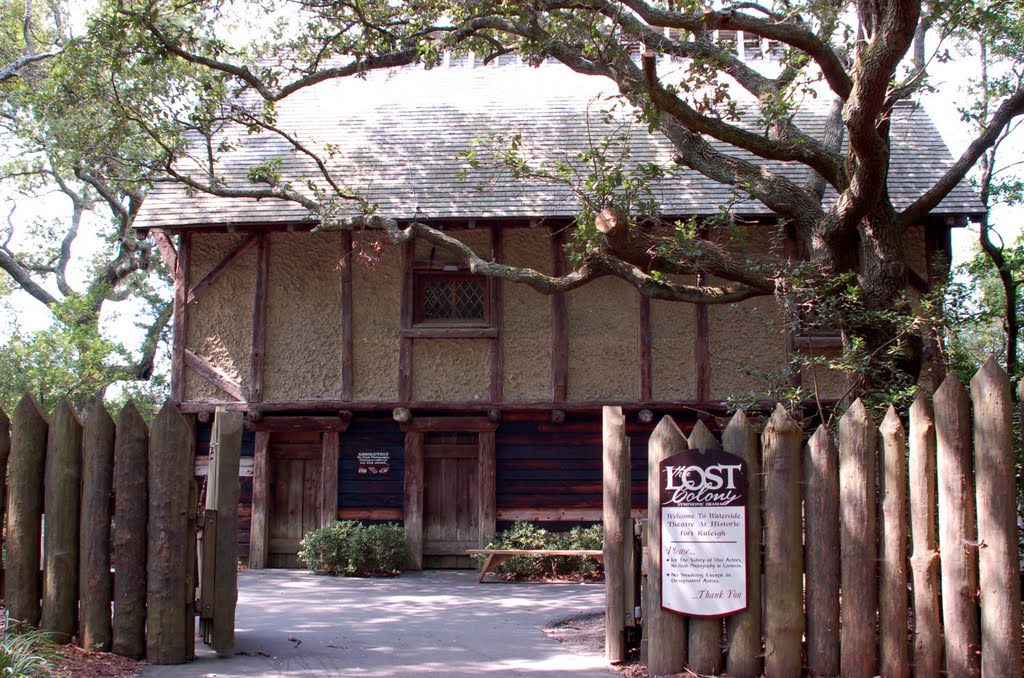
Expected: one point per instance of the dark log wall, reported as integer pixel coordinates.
(551, 473)
(373, 496)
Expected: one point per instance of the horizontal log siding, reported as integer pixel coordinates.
(371, 492)
(551, 467)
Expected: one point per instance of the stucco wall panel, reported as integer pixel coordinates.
(825, 383)
(303, 356)
(376, 324)
(478, 238)
(527, 329)
(450, 369)
(603, 362)
(745, 338)
(220, 322)
(672, 361)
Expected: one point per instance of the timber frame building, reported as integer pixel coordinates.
(408, 390)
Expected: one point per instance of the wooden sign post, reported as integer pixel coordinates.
(703, 533)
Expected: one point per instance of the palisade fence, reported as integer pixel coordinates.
(891, 551)
(88, 493)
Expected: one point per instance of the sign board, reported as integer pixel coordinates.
(703, 533)
(373, 463)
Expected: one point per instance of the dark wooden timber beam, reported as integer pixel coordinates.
(191, 407)
(259, 317)
(702, 348)
(450, 424)
(413, 519)
(347, 359)
(405, 343)
(559, 325)
(180, 318)
(497, 305)
(296, 423)
(220, 269)
(214, 375)
(329, 478)
(643, 338)
(259, 531)
(791, 250)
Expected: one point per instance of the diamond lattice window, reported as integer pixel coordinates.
(451, 298)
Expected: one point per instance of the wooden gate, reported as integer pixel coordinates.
(294, 506)
(451, 492)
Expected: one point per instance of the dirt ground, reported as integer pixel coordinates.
(585, 634)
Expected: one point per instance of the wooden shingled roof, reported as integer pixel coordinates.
(396, 137)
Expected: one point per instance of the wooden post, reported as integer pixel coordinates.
(94, 545)
(559, 325)
(329, 478)
(131, 517)
(704, 645)
(858, 542)
(821, 507)
(62, 487)
(702, 349)
(222, 497)
(179, 322)
(957, 532)
(414, 498)
(999, 560)
(783, 548)
(616, 483)
(168, 596)
(743, 630)
(259, 318)
(487, 474)
(666, 631)
(259, 536)
(347, 349)
(924, 562)
(25, 512)
(892, 594)
(5, 454)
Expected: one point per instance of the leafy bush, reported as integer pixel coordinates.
(25, 651)
(585, 539)
(524, 535)
(349, 548)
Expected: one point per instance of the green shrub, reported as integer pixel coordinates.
(349, 548)
(524, 535)
(25, 651)
(378, 550)
(583, 539)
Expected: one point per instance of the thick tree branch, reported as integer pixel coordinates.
(24, 280)
(1011, 107)
(791, 32)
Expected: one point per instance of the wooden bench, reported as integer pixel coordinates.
(496, 557)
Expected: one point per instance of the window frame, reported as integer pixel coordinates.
(417, 326)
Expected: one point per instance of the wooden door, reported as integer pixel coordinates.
(294, 493)
(451, 491)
